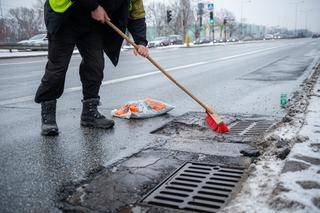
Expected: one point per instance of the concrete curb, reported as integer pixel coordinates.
(28, 56)
(159, 48)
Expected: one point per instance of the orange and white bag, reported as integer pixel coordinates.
(146, 108)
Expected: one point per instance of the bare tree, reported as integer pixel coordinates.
(182, 17)
(39, 7)
(156, 16)
(185, 17)
(21, 23)
(226, 26)
(6, 34)
(24, 22)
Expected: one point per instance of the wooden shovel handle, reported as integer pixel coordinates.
(124, 36)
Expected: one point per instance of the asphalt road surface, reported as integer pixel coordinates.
(235, 79)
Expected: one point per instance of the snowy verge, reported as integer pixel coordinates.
(286, 177)
(6, 54)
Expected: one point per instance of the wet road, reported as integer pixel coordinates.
(237, 79)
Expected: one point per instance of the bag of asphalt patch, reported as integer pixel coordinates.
(146, 108)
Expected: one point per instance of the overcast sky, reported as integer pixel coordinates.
(265, 12)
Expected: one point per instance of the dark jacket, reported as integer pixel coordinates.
(121, 13)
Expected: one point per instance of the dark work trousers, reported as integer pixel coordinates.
(61, 45)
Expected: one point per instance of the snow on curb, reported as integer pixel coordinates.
(18, 54)
(290, 185)
(301, 183)
(6, 54)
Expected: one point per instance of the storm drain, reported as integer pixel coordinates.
(249, 128)
(192, 126)
(197, 187)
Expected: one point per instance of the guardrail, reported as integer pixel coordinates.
(23, 47)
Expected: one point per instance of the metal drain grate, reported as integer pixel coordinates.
(196, 187)
(249, 128)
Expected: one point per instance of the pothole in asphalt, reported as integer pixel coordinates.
(121, 186)
(192, 125)
(197, 187)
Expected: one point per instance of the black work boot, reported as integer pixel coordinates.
(48, 118)
(90, 116)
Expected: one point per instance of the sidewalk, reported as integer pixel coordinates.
(6, 54)
(286, 178)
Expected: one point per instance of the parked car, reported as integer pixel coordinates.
(202, 41)
(248, 38)
(158, 42)
(175, 39)
(316, 35)
(268, 37)
(37, 40)
(278, 36)
(233, 39)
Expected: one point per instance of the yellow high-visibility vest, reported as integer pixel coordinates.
(136, 9)
(60, 6)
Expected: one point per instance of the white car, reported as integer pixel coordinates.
(37, 40)
(159, 42)
(268, 37)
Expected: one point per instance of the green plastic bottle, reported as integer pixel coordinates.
(283, 99)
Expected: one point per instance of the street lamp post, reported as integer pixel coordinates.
(306, 12)
(296, 16)
(241, 18)
(1, 11)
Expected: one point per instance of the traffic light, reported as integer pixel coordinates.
(211, 18)
(200, 9)
(169, 15)
(224, 21)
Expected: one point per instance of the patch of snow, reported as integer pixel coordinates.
(258, 187)
(17, 54)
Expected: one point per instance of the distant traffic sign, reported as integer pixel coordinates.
(210, 6)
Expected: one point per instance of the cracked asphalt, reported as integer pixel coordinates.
(119, 187)
(238, 79)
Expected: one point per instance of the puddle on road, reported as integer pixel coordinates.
(192, 125)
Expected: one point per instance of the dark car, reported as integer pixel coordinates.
(159, 42)
(175, 39)
(233, 39)
(202, 41)
(316, 36)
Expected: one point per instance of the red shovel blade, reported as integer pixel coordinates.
(219, 128)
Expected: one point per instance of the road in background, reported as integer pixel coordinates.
(236, 79)
(223, 66)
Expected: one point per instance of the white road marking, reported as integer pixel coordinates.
(128, 78)
(246, 53)
(79, 88)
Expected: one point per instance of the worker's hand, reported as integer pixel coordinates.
(142, 50)
(99, 14)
